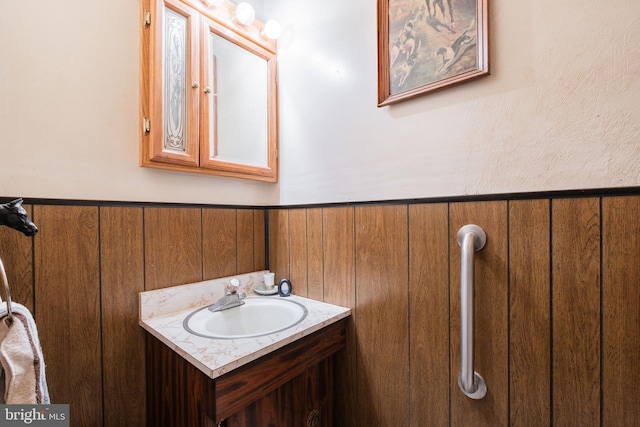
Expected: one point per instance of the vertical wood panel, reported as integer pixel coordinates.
(123, 350)
(491, 314)
(279, 242)
(338, 254)
(244, 218)
(576, 312)
(339, 288)
(173, 246)
(219, 243)
(67, 287)
(259, 240)
(530, 312)
(16, 251)
(382, 315)
(305, 392)
(429, 314)
(621, 310)
(298, 251)
(316, 268)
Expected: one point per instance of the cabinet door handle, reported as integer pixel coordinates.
(195, 85)
(207, 89)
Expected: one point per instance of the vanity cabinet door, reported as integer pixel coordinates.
(307, 400)
(174, 84)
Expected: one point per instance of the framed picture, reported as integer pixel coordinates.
(428, 45)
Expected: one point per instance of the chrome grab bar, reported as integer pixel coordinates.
(471, 238)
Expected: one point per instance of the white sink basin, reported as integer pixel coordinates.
(258, 316)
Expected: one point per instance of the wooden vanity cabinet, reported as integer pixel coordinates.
(292, 386)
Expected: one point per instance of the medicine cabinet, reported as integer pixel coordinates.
(208, 91)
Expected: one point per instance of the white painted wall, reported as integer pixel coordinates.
(69, 110)
(559, 111)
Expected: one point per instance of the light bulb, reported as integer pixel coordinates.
(272, 29)
(245, 14)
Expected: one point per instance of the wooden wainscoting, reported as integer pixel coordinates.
(575, 311)
(620, 310)
(557, 307)
(81, 275)
(67, 306)
(530, 314)
(557, 301)
(429, 299)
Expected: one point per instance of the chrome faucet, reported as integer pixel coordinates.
(231, 297)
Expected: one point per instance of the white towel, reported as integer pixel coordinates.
(21, 362)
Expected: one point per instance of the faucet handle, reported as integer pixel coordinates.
(232, 286)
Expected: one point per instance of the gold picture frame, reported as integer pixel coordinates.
(429, 45)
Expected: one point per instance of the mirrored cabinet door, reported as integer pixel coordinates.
(238, 120)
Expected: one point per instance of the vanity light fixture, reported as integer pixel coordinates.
(212, 3)
(245, 14)
(271, 30)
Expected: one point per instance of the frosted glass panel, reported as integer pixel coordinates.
(175, 82)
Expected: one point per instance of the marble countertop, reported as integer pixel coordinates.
(162, 313)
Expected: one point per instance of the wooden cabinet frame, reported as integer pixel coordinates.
(196, 153)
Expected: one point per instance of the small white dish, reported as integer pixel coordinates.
(262, 290)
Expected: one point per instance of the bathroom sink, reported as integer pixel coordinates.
(258, 316)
